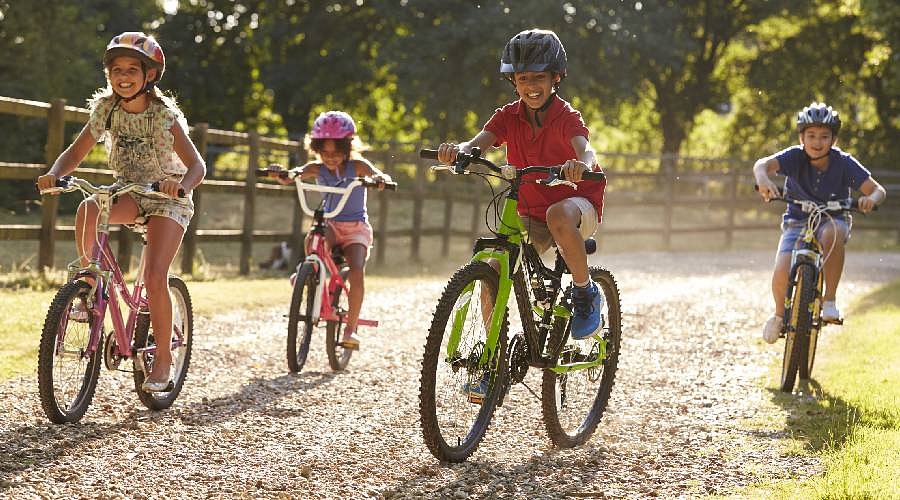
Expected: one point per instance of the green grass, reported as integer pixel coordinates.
(849, 415)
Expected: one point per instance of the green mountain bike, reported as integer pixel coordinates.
(468, 342)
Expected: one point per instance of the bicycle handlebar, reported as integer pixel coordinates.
(831, 206)
(69, 183)
(345, 191)
(463, 160)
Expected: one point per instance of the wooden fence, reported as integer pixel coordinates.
(682, 185)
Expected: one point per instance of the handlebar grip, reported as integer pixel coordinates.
(391, 186)
(262, 172)
(428, 154)
(593, 176)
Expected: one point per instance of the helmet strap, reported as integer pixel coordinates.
(537, 118)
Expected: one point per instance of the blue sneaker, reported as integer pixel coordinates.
(477, 390)
(587, 303)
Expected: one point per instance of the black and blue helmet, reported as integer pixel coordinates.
(533, 50)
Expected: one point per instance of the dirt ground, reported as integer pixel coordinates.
(680, 421)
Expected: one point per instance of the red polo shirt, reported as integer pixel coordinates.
(552, 145)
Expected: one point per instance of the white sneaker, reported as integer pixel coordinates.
(830, 311)
(772, 329)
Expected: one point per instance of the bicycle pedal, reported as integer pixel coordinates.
(836, 321)
(476, 400)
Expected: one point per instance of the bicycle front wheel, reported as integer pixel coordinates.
(461, 376)
(573, 402)
(797, 338)
(67, 371)
(181, 344)
(300, 318)
(338, 357)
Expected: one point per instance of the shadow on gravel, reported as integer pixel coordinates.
(257, 395)
(30, 446)
(560, 476)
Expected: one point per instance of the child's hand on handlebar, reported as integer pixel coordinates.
(865, 204)
(381, 179)
(46, 181)
(767, 189)
(447, 152)
(572, 170)
(171, 188)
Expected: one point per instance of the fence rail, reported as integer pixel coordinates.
(721, 189)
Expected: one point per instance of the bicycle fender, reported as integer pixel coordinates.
(317, 263)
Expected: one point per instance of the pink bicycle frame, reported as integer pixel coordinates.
(320, 256)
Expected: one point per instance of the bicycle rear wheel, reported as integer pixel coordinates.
(797, 338)
(300, 318)
(452, 424)
(67, 372)
(182, 344)
(573, 403)
(338, 357)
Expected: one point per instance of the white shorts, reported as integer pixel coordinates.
(538, 234)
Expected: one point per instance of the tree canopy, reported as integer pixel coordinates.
(704, 77)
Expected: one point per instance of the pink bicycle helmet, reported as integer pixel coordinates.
(333, 125)
(140, 45)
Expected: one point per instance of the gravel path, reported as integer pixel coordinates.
(679, 422)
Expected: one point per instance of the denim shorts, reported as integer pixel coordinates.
(792, 229)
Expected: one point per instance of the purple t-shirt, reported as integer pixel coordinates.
(355, 208)
(805, 182)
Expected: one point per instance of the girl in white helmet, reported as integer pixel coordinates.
(146, 138)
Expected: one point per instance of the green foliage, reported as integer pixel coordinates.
(696, 77)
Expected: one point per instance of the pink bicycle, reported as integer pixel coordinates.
(320, 289)
(70, 350)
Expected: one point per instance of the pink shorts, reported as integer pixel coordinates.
(350, 232)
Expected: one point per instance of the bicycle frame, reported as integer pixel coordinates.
(105, 270)
(510, 241)
(330, 281)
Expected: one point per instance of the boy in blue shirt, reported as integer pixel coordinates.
(817, 171)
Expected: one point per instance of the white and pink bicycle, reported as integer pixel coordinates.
(320, 286)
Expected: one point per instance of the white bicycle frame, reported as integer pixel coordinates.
(302, 187)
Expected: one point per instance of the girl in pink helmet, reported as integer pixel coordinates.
(146, 138)
(336, 148)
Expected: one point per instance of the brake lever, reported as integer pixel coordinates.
(554, 180)
(442, 168)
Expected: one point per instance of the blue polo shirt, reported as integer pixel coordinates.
(805, 182)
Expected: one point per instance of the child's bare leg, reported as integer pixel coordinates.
(780, 281)
(356, 257)
(834, 264)
(563, 218)
(163, 239)
(123, 211)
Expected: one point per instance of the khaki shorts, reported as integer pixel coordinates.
(180, 210)
(538, 234)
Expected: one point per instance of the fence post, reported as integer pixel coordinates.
(298, 251)
(56, 136)
(249, 204)
(418, 202)
(381, 236)
(732, 194)
(448, 223)
(189, 247)
(668, 173)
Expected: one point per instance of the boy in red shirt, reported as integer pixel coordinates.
(541, 129)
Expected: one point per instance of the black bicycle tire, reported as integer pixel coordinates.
(333, 334)
(304, 286)
(607, 282)
(427, 405)
(797, 337)
(141, 336)
(59, 308)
